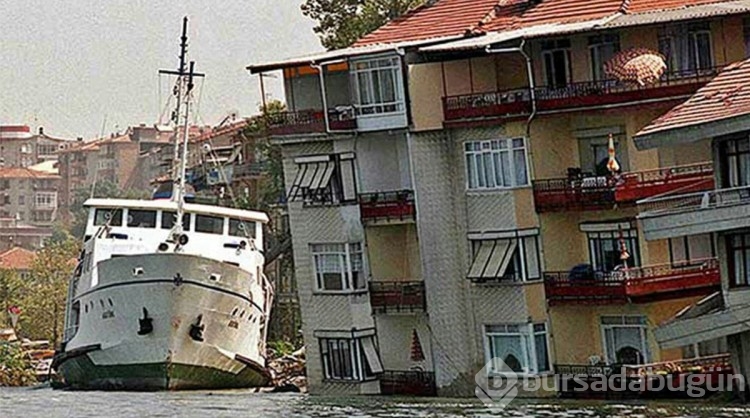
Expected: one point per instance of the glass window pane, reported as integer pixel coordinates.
(505, 163)
(209, 224)
(520, 165)
(167, 220)
(488, 174)
(240, 228)
(510, 350)
(111, 216)
(471, 171)
(542, 357)
(141, 218)
(532, 258)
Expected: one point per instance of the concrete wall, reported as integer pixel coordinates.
(383, 162)
(393, 253)
(395, 337)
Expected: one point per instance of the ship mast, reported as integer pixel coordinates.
(182, 91)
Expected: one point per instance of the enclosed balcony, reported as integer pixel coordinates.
(397, 296)
(311, 121)
(695, 213)
(572, 97)
(638, 284)
(412, 382)
(580, 191)
(387, 207)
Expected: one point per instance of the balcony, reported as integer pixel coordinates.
(310, 122)
(387, 207)
(580, 192)
(397, 297)
(637, 285)
(414, 383)
(250, 170)
(695, 213)
(574, 96)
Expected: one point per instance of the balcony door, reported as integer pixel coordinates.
(624, 339)
(556, 56)
(734, 162)
(687, 48)
(605, 241)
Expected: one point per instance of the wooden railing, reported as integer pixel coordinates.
(415, 383)
(396, 205)
(577, 95)
(309, 121)
(397, 297)
(637, 284)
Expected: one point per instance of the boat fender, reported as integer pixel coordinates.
(177, 279)
(145, 324)
(163, 246)
(196, 329)
(183, 239)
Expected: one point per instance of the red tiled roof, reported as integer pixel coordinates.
(440, 19)
(726, 96)
(232, 128)
(17, 258)
(17, 172)
(642, 6)
(565, 11)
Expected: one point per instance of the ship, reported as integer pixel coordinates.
(168, 294)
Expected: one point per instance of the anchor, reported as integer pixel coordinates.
(145, 324)
(196, 329)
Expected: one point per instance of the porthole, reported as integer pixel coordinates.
(234, 312)
(110, 302)
(242, 314)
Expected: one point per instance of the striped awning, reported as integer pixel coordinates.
(492, 258)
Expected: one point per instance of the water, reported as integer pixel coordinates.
(46, 403)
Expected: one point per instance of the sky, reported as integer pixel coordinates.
(82, 67)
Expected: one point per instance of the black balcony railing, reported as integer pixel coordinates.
(396, 296)
(310, 121)
(412, 382)
(577, 95)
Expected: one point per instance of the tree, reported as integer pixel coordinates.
(42, 296)
(342, 22)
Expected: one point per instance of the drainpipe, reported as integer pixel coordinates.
(319, 67)
(530, 74)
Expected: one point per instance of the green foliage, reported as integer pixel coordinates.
(342, 22)
(281, 348)
(15, 366)
(105, 189)
(43, 294)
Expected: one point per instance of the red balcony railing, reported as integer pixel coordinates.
(580, 192)
(412, 382)
(573, 96)
(592, 193)
(683, 179)
(309, 121)
(638, 284)
(397, 297)
(387, 206)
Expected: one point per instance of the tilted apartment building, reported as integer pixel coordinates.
(449, 201)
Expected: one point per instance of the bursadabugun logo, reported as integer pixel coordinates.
(497, 384)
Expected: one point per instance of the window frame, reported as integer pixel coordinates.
(525, 331)
(340, 188)
(360, 367)
(549, 48)
(685, 243)
(346, 261)
(363, 73)
(642, 325)
(683, 55)
(731, 250)
(596, 255)
(596, 44)
(491, 152)
(519, 258)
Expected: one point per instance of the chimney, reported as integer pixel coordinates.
(79, 139)
(41, 130)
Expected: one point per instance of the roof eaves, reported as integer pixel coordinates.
(684, 13)
(340, 54)
(692, 132)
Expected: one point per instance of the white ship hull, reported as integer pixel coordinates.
(138, 326)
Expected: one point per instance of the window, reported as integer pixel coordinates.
(515, 259)
(556, 57)
(338, 267)
(738, 250)
(349, 358)
(209, 224)
(518, 348)
(691, 250)
(240, 228)
(378, 86)
(687, 48)
(495, 164)
(168, 218)
(113, 217)
(712, 347)
(605, 249)
(625, 339)
(45, 200)
(141, 218)
(734, 155)
(601, 49)
(327, 179)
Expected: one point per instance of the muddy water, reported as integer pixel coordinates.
(45, 403)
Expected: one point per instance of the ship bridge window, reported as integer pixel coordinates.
(240, 228)
(167, 220)
(209, 224)
(142, 218)
(109, 216)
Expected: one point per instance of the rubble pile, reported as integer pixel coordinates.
(288, 372)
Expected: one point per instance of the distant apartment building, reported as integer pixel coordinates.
(19, 147)
(450, 203)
